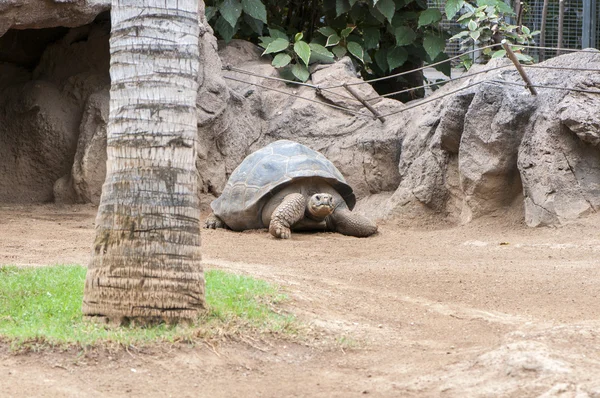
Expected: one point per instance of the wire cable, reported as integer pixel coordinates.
(560, 68)
(414, 70)
(579, 90)
(589, 50)
(304, 98)
(465, 76)
(278, 79)
(423, 102)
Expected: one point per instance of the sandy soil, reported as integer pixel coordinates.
(488, 309)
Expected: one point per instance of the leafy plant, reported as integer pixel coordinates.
(381, 36)
(485, 23)
(293, 58)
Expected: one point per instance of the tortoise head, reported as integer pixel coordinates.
(320, 205)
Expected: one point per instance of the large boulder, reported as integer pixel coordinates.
(483, 150)
(42, 112)
(89, 167)
(559, 157)
(38, 139)
(37, 14)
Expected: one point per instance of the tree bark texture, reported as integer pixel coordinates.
(145, 264)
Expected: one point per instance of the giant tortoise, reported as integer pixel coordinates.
(287, 186)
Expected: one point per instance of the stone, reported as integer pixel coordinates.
(37, 141)
(36, 14)
(89, 166)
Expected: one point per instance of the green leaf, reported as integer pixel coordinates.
(225, 30)
(276, 46)
(499, 54)
(446, 67)
(286, 73)
(472, 25)
(210, 12)
(303, 50)
(459, 35)
(429, 16)
(327, 31)
(281, 60)
(434, 45)
(396, 56)
(475, 34)
(502, 6)
(346, 32)
(404, 35)
(381, 59)
(375, 13)
(341, 7)
(231, 10)
(355, 49)
(464, 16)
(387, 8)
(404, 18)
(255, 24)
(277, 34)
(300, 72)
(265, 41)
(339, 51)
(298, 37)
(452, 7)
(318, 53)
(332, 40)
(523, 57)
(371, 37)
(256, 9)
(525, 30)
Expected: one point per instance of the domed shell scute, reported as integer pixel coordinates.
(267, 170)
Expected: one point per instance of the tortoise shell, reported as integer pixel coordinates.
(266, 171)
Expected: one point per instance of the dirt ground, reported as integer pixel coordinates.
(489, 309)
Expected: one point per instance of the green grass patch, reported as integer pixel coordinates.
(42, 307)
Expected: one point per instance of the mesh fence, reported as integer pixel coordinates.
(572, 27)
(450, 27)
(596, 26)
(576, 11)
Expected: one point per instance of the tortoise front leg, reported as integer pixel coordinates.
(290, 211)
(214, 222)
(345, 222)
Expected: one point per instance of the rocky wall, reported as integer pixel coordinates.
(481, 151)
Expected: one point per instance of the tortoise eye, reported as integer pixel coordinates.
(318, 197)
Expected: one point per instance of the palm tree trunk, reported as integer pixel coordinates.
(145, 264)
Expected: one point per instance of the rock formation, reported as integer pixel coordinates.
(476, 152)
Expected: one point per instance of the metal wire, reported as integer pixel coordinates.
(560, 68)
(465, 76)
(414, 70)
(579, 90)
(304, 98)
(423, 102)
(489, 82)
(238, 70)
(589, 50)
(234, 69)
